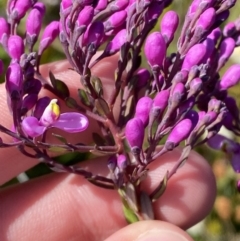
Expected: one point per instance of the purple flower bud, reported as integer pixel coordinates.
(14, 79)
(161, 99)
(41, 106)
(181, 76)
(28, 103)
(20, 8)
(238, 185)
(134, 133)
(230, 78)
(116, 43)
(209, 117)
(15, 47)
(214, 105)
(226, 49)
(193, 8)
(229, 29)
(178, 93)
(155, 49)
(85, 16)
(115, 20)
(206, 19)
(65, 4)
(94, 34)
(34, 22)
(210, 47)
(118, 5)
(143, 76)
(195, 85)
(181, 131)
(194, 56)
(215, 35)
(122, 162)
(169, 25)
(101, 5)
(4, 29)
(143, 108)
(232, 107)
(50, 33)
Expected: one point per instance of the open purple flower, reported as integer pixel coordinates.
(71, 122)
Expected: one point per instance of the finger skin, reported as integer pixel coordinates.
(12, 162)
(150, 230)
(67, 207)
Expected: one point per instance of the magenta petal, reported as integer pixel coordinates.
(235, 162)
(71, 122)
(31, 126)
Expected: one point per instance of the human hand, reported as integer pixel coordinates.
(67, 207)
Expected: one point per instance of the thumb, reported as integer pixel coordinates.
(150, 231)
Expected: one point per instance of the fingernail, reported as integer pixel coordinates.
(156, 235)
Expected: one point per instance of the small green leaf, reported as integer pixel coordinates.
(57, 149)
(60, 138)
(84, 97)
(71, 103)
(158, 192)
(102, 107)
(60, 87)
(130, 216)
(97, 85)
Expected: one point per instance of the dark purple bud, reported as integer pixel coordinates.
(28, 102)
(85, 16)
(181, 131)
(228, 121)
(112, 163)
(115, 20)
(229, 29)
(15, 47)
(143, 108)
(238, 185)
(155, 49)
(215, 35)
(226, 49)
(143, 77)
(122, 162)
(14, 79)
(34, 22)
(230, 78)
(20, 8)
(154, 11)
(41, 106)
(161, 99)
(32, 86)
(49, 35)
(186, 106)
(94, 34)
(194, 56)
(4, 29)
(169, 25)
(134, 133)
(206, 19)
(116, 43)
(232, 107)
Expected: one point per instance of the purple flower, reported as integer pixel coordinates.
(70, 122)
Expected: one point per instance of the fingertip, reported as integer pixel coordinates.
(150, 231)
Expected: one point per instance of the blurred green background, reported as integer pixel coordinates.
(223, 223)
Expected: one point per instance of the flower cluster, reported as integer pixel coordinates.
(180, 98)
